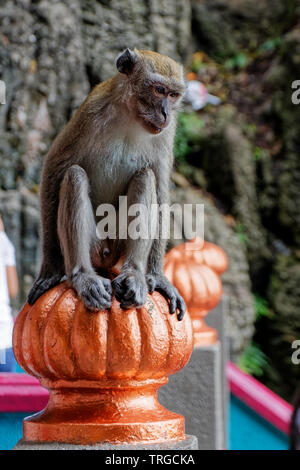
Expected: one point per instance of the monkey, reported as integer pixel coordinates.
(118, 143)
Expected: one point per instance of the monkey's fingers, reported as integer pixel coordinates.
(176, 302)
(41, 286)
(181, 307)
(129, 290)
(151, 284)
(93, 303)
(167, 290)
(93, 289)
(98, 292)
(107, 286)
(136, 296)
(35, 294)
(118, 286)
(96, 299)
(129, 287)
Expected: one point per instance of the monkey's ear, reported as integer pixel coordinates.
(126, 61)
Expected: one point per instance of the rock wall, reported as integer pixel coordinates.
(223, 27)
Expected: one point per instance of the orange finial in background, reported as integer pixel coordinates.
(194, 268)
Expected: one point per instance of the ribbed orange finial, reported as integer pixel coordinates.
(206, 253)
(103, 369)
(194, 268)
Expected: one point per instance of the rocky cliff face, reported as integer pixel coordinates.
(223, 27)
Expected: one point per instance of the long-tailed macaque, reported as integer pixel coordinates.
(119, 142)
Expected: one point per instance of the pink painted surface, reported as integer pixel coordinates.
(259, 398)
(21, 393)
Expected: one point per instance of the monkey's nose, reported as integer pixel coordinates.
(165, 109)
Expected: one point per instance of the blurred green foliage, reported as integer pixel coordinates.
(188, 135)
(241, 231)
(261, 307)
(253, 361)
(258, 153)
(238, 61)
(270, 45)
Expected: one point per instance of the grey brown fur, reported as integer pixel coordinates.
(119, 142)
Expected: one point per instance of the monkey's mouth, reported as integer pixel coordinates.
(153, 128)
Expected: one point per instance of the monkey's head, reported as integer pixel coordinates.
(156, 85)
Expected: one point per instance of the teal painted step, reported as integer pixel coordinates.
(248, 431)
(11, 429)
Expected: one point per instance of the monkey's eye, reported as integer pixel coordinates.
(174, 94)
(160, 90)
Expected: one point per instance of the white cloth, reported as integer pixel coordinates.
(7, 258)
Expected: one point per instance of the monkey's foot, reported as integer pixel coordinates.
(130, 288)
(161, 284)
(41, 285)
(95, 291)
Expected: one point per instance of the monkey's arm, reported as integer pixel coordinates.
(157, 253)
(52, 268)
(156, 279)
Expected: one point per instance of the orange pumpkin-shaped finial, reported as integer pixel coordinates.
(204, 252)
(103, 369)
(194, 269)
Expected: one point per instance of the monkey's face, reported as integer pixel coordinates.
(156, 86)
(156, 106)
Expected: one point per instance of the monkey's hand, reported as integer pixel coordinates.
(94, 290)
(161, 284)
(41, 285)
(130, 288)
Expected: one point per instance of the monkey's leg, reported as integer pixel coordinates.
(156, 280)
(130, 286)
(52, 269)
(77, 233)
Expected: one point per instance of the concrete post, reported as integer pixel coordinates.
(200, 390)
